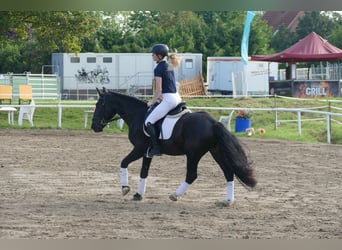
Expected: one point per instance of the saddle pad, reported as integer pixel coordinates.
(169, 123)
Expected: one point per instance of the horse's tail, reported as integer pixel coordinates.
(235, 155)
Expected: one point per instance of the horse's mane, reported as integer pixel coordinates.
(132, 100)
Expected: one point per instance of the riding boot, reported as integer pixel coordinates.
(155, 149)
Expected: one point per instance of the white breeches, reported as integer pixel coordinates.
(170, 101)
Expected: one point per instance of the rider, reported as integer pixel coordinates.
(165, 92)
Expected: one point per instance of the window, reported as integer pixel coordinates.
(91, 59)
(107, 59)
(189, 63)
(74, 59)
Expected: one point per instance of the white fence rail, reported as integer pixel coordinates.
(326, 115)
(299, 112)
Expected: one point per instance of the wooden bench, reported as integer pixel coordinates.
(25, 93)
(5, 93)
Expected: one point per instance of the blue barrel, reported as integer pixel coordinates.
(242, 124)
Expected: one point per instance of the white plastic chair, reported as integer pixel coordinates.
(26, 113)
(120, 123)
(226, 120)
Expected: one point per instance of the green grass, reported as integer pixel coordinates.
(312, 131)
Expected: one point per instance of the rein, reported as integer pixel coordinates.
(115, 119)
(103, 122)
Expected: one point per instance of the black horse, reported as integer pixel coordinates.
(194, 135)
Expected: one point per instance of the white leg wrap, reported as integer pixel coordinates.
(142, 186)
(124, 176)
(230, 191)
(182, 188)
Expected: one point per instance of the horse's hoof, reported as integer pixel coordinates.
(125, 190)
(226, 203)
(137, 197)
(173, 197)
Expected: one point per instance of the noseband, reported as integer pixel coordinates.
(104, 122)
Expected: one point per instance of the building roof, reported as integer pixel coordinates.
(287, 18)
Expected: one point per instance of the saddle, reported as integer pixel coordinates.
(165, 125)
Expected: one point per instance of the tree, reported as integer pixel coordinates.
(335, 37)
(283, 39)
(319, 22)
(107, 35)
(33, 36)
(38, 34)
(9, 57)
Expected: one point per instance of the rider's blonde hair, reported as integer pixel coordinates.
(174, 60)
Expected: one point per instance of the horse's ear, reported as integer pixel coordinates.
(98, 91)
(104, 90)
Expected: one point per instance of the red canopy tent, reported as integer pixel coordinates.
(312, 48)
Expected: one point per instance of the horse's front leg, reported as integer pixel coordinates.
(143, 176)
(134, 155)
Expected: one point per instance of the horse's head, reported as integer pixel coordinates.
(103, 113)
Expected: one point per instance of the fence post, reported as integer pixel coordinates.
(27, 77)
(59, 115)
(328, 128)
(275, 112)
(329, 110)
(299, 122)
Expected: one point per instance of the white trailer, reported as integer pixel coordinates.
(128, 72)
(229, 75)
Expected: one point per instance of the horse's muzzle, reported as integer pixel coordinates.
(96, 126)
(97, 129)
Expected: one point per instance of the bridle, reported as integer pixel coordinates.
(104, 122)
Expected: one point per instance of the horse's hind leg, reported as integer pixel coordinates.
(228, 174)
(191, 176)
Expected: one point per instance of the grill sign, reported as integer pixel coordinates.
(316, 89)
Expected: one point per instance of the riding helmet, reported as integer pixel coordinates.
(160, 49)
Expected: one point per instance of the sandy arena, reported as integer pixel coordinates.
(57, 184)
